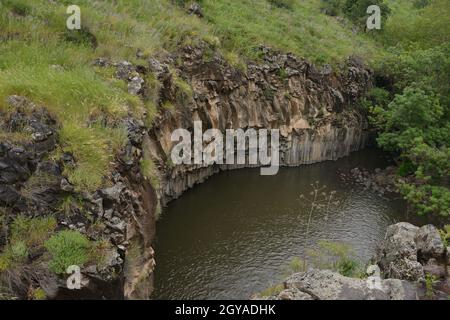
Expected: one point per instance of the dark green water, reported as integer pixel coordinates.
(231, 236)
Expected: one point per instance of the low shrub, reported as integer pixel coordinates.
(68, 248)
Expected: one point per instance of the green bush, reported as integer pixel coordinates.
(335, 256)
(427, 199)
(81, 37)
(421, 3)
(406, 168)
(329, 255)
(347, 267)
(68, 248)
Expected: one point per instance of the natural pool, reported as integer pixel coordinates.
(233, 235)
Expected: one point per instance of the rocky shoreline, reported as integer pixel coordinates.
(413, 262)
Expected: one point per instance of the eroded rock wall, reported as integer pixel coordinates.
(315, 110)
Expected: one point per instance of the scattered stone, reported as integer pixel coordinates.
(380, 181)
(101, 62)
(135, 85)
(124, 69)
(66, 186)
(196, 9)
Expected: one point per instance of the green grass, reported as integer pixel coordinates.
(32, 231)
(150, 171)
(41, 62)
(26, 234)
(68, 248)
(300, 27)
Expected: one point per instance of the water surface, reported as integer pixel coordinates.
(233, 235)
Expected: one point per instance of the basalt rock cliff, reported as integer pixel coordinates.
(315, 109)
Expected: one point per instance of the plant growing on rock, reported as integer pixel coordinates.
(68, 248)
(329, 255)
(430, 281)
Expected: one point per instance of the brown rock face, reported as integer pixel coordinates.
(315, 110)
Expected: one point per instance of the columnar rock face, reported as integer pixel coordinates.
(315, 110)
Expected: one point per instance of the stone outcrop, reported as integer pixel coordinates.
(381, 181)
(314, 109)
(408, 252)
(121, 215)
(397, 256)
(328, 285)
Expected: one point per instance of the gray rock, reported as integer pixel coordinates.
(329, 285)
(108, 214)
(293, 294)
(8, 195)
(124, 69)
(195, 9)
(113, 193)
(429, 243)
(397, 255)
(66, 186)
(135, 85)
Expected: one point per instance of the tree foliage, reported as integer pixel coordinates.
(413, 121)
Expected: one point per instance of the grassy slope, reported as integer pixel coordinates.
(302, 29)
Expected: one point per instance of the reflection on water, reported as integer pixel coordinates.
(231, 236)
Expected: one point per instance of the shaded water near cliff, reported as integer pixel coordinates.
(233, 235)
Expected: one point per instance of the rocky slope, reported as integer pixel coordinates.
(315, 110)
(414, 264)
(32, 184)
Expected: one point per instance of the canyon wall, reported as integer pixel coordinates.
(316, 110)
